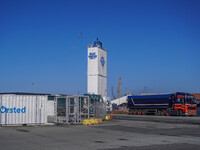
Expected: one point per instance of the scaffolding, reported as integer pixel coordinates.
(74, 109)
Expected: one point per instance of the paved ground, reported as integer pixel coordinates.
(122, 133)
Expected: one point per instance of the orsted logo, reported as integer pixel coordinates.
(102, 61)
(92, 55)
(12, 110)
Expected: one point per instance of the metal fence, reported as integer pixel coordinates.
(74, 109)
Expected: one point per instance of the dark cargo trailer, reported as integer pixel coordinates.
(166, 104)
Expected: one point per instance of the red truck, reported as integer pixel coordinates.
(168, 104)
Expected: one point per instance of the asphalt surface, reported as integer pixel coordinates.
(122, 133)
(162, 119)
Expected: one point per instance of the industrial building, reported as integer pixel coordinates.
(97, 69)
(41, 109)
(121, 102)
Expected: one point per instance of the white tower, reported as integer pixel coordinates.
(97, 69)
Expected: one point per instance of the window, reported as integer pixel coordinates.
(180, 100)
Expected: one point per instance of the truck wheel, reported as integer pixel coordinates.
(180, 112)
(143, 112)
(162, 112)
(167, 113)
(138, 112)
(130, 112)
(134, 112)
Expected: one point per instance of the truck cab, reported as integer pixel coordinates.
(185, 104)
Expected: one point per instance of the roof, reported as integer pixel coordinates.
(24, 93)
(98, 44)
(120, 100)
(197, 95)
(149, 96)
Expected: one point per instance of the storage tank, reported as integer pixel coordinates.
(21, 108)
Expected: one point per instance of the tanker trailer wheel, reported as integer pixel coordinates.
(130, 112)
(143, 112)
(167, 113)
(139, 112)
(134, 112)
(163, 113)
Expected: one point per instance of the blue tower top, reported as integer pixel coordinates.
(97, 43)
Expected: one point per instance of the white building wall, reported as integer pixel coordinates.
(92, 84)
(92, 63)
(97, 71)
(102, 86)
(102, 70)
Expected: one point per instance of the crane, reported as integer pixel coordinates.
(119, 87)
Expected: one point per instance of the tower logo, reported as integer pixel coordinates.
(102, 61)
(92, 55)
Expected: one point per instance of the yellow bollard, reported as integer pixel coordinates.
(100, 121)
(86, 122)
(93, 121)
(107, 118)
(96, 121)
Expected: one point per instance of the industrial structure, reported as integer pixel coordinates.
(121, 102)
(97, 69)
(41, 109)
(119, 88)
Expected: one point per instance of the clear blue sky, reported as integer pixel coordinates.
(154, 45)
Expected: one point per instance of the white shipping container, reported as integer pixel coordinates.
(23, 109)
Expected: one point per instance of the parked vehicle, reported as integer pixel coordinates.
(166, 104)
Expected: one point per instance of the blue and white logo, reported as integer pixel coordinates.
(102, 61)
(92, 55)
(3, 109)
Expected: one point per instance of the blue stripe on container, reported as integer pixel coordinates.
(150, 96)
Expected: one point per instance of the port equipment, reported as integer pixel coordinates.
(97, 107)
(166, 104)
(71, 109)
(75, 109)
